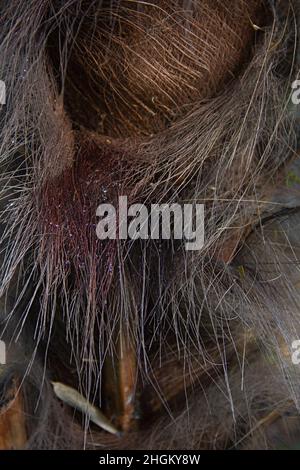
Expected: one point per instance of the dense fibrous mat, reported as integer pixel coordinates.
(138, 67)
(169, 101)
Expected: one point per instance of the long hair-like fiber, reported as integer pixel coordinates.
(164, 102)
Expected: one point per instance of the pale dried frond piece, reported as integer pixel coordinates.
(71, 397)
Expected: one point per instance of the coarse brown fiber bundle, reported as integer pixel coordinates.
(137, 66)
(164, 102)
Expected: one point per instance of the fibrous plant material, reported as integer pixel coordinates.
(145, 64)
(74, 399)
(179, 101)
